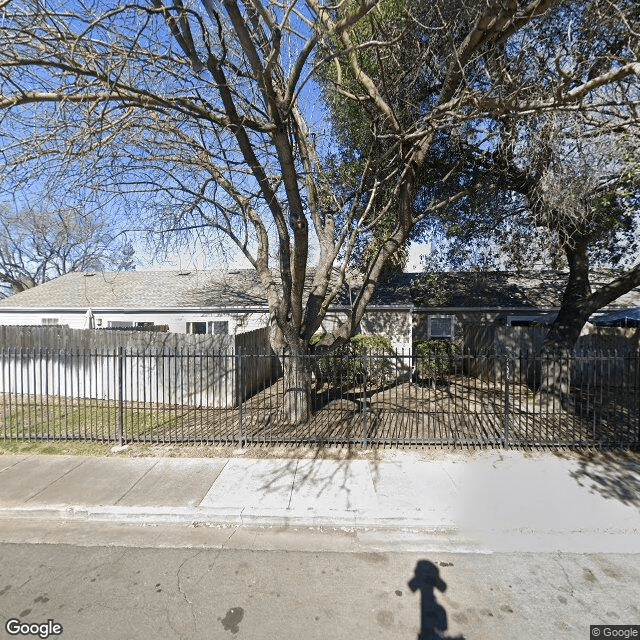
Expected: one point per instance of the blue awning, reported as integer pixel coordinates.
(623, 317)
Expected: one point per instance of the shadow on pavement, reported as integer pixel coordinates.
(313, 475)
(433, 617)
(613, 474)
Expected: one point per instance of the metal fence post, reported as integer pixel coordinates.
(365, 418)
(240, 396)
(506, 400)
(120, 423)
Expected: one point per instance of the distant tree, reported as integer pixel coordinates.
(36, 246)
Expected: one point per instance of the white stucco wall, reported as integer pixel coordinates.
(395, 324)
(176, 320)
(23, 318)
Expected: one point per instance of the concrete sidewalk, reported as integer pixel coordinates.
(477, 501)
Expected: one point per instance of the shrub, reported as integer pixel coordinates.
(436, 358)
(361, 359)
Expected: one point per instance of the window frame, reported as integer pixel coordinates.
(190, 326)
(448, 336)
(210, 324)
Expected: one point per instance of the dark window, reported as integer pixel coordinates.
(441, 327)
(220, 327)
(152, 326)
(197, 328)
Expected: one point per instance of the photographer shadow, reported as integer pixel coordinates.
(433, 617)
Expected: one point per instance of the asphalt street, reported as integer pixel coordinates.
(479, 546)
(120, 583)
(117, 593)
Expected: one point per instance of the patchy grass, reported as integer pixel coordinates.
(87, 419)
(64, 448)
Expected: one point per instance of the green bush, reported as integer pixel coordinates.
(362, 358)
(436, 358)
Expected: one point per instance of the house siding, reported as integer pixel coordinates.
(176, 321)
(395, 324)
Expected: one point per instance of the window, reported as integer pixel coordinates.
(152, 326)
(530, 321)
(219, 327)
(215, 327)
(119, 324)
(197, 328)
(441, 326)
(50, 320)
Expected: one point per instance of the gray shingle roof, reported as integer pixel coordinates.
(145, 289)
(487, 289)
(242, 288)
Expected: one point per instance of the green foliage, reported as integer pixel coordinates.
(352, 123)
(361, 342)
(434, 290)
(436, 358)
(362, 359)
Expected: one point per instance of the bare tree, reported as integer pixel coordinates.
(203, 109)
(36, 246)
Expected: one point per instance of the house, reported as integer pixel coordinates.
(407, 308)
(198, 302)
(443, 303)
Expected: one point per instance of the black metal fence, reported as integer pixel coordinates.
(371, 399)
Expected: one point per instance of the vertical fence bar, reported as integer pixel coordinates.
(636, 388)
(65, 370)
(240, 396)
(93, 390)
(48, 382)
(40, 396)
(159, 406)
(4, 395)
(7, 390)
(19, 401)
(104, 385)
(506, 400)
(128, 374)
(119, 396)
(31, 368)
(365, 375)
(167, 362)
(13, 387)
(140, 429)
(76, 401)
(82, 357)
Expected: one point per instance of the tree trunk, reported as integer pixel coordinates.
(557, 349)
(554, 376)
(296, 406)
(293, 352)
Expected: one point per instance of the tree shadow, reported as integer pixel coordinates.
(433, 617)
(320, 469)
(613, 474)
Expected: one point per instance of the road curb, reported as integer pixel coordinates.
(233, 517)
